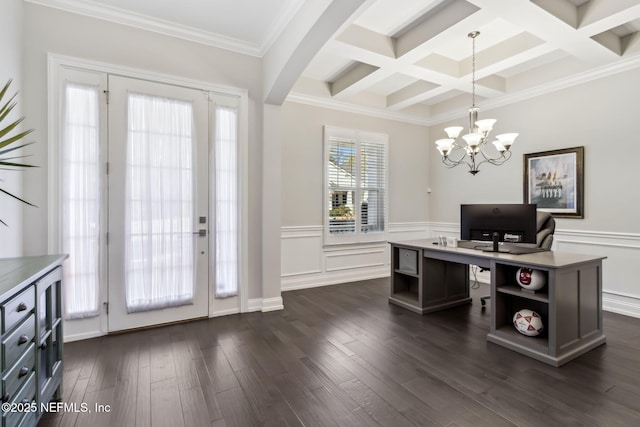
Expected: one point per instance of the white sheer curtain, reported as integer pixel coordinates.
(226, 201)
(81, 199)
(159, 244)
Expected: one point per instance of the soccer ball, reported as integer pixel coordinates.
(530, 279)
(528, 322)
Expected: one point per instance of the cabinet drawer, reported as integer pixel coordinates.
(408, 260)
(19, 374)
(26, 395)
(18, 308)
(18, 342)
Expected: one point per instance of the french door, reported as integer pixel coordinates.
(149, 207)
(158, 203)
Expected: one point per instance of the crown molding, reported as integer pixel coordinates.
(120, 16)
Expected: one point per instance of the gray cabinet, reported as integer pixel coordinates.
(31, 336)
(570, 305)
(424, 285)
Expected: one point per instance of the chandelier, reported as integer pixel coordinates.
(471, 151)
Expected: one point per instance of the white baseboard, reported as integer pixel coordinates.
(265, 304)
(224, 312)
(621, 304)
(83, 336)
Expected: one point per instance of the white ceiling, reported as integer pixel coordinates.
(411, 59)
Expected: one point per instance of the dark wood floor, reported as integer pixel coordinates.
(342, 356)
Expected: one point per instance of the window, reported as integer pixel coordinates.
(81, 224)
(356, 183)
(159, 259)
(226, 201)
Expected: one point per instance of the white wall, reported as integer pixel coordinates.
(601, 116)
(305, 261)
(11, 68)
(50, 30)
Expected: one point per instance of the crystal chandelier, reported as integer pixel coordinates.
(471, 151)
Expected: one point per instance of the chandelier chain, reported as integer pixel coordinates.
(473, 71)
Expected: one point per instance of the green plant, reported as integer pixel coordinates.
(341, 211)
(9, 144)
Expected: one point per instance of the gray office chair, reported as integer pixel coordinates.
(546, 226)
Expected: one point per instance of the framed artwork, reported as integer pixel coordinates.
(554, 180)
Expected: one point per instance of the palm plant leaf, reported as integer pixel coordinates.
(11, 162)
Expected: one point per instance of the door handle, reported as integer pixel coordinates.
(201, 233)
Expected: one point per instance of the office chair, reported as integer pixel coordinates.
(545, 226)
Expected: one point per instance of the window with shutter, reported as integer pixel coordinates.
(355, 208)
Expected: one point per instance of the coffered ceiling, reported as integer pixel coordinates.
(411, 59)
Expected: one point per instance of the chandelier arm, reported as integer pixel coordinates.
(497, 161)
(461, 159)
(450, 163)
(489, 158)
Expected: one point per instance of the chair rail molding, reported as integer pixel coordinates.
(307, 263)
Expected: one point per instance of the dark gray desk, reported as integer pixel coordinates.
(427, 277)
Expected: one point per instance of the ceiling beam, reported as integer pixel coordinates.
(314, 24)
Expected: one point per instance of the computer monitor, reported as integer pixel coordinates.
(512, 223)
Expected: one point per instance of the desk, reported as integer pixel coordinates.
(427, 278)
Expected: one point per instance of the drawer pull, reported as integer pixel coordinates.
(21, 307)
(23, 371)
(5, 397)
(23, 339)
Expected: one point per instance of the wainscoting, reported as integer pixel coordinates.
(307, 263)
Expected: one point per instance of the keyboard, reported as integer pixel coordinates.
(511, 248)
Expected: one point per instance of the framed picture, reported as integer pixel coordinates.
(554, 180)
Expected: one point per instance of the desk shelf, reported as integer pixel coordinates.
(523, 293)
(538, 344)
(406, 273)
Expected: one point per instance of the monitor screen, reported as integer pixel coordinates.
(513, 223)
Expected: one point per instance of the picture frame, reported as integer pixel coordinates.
(554, 180)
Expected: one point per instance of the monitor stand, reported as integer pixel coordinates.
(495, 237)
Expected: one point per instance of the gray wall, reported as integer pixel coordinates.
(11, 68)
(601, 115)
(302, 163)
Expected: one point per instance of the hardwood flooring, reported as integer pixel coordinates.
(342, 356)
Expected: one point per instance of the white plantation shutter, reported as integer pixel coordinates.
(341, 169)
(355, 208)
(373, 173)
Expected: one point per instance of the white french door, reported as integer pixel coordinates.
(148, 198)
(158, 203)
